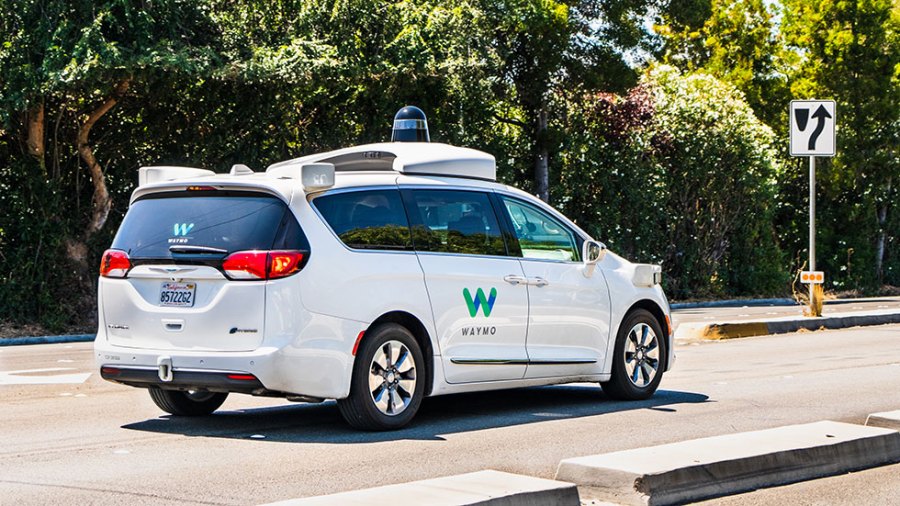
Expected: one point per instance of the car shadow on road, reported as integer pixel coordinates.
(448, 414)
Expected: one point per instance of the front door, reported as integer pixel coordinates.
(569, 313)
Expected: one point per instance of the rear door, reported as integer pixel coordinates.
(480, 319)
(175, 295)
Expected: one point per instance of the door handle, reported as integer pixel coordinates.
(515, 280)
(538, 281)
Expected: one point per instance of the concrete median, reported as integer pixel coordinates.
(723, 465)
(887, 420)
(737, 329)
(482, 488)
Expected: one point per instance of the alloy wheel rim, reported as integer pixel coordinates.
(641, 355)
(392, 378)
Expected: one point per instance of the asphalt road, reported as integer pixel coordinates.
(85, 441)
(744, 313)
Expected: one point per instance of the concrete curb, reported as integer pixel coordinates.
(483, 488)
(723, 465)
(20, 341)
(731, 330)
(886, 420)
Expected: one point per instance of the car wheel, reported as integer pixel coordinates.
(190, 403)
(388, 380)
(638, 360)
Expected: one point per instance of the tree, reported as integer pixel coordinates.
(84, 56)
(681, 172)
(849, 51)
(547, 49)
(736, 41)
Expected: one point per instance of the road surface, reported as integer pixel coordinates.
(76, 439)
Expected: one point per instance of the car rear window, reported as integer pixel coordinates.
(367, 219)
(226, 220)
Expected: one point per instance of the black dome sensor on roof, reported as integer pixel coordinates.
(410, 125)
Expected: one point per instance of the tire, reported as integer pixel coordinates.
(639, 358)
(191, 403)
(388, 381)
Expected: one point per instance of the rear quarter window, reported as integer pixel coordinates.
(227, 220)
(367, 219)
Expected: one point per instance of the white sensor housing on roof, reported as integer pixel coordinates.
(147, 175)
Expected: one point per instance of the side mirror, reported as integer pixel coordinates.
(592, 252)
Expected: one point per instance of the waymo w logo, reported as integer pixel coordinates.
(486, 303)
(182, 229)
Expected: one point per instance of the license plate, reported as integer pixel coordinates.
(177, 294)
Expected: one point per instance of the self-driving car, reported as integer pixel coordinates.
(374, 275)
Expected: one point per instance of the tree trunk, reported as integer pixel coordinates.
(101, 201)
(882, 212)
(541, 167)
(36, 134)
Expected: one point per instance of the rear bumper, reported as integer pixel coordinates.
(213, 381)
(302, 368)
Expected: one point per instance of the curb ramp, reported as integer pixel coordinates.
(785, 325)
(724, 465)
(482, 488)
(886, 420)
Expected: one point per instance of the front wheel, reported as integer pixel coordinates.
(388, 380)
(190, 403)
(638, 358)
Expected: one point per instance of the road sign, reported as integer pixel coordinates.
(812, 127)
(812, 277)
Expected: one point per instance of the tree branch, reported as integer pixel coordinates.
(509, 121)
(101, 200)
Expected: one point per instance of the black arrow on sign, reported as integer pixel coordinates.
(821, 114)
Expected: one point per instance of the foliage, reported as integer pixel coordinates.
(680, 172)
(736, 42)
(850, 52)
(673, 167)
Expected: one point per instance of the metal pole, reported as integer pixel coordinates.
(812, 226)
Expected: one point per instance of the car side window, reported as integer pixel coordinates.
(454, 221)
(367, 219)
(540, 235)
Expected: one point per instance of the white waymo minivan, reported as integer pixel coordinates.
(375, 275)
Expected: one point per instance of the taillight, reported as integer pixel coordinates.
(284, 263)
(114, 264)
(252, 265)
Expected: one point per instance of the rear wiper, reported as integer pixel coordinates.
(184, 248)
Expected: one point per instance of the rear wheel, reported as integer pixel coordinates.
(190, 403)
(387, 385)
(638, 358)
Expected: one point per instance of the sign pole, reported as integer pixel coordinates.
(812, 224)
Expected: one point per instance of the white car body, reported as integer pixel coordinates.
(551, 321)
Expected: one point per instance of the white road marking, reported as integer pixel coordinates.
(15, 378)
(257, 436)
(64, 361)
(121, 452)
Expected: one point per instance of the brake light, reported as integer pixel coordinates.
(114, 264)
(253, 265)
